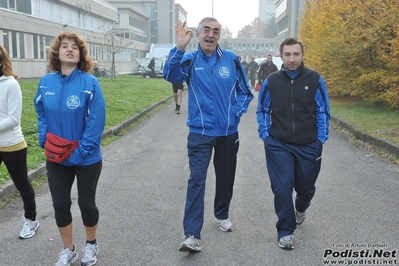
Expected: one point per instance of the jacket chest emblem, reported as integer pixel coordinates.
(224, 72)
(73, 102)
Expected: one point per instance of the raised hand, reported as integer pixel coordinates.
(183, 35)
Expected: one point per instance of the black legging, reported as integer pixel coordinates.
(60, 180)
(15, 162)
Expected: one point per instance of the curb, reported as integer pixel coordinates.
(9, 189)
(375, 142)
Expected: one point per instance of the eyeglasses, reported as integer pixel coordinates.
(207, 31)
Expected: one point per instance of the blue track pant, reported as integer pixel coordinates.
(200, 149)
(292, 167)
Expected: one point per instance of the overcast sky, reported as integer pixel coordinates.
(234, 14)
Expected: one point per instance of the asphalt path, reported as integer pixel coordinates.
(141, 196)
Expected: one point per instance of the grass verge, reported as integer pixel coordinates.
(125, 97)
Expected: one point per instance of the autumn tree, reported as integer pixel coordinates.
(245, 32)
(226, 33)
(354, 44)
(257, 29)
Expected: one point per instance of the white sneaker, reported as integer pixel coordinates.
(190, 244)
(29, 228)
(90, 253)
(286, 242)
(224, 225)
(67, 257)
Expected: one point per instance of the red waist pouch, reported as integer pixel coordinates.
(58, 149)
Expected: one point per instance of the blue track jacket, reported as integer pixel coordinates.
(218, 89)
(72, 107)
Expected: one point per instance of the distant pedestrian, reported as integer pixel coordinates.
(266, 69)
(151, 66)
(293, 115)
(177, 88)
(245, 64)
(253, 70)
(71, 109)
(13, 148)
(218, 95)
(96, 69)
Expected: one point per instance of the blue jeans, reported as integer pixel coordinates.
(200, 149)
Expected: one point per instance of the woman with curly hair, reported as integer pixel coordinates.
(70, 104)
(13, 148)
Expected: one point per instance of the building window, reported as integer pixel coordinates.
(41, 45)
(24, 6)
(21, 45)
(14, 45)
(11, 5)
(35, 46)
(3, 3)
(6, 40)
(136, 23)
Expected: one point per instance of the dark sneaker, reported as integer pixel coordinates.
(190, 244)
(286, 242)
(29, 228)
(224, 225)
(67, 257)
(90, 253)
(299, 217)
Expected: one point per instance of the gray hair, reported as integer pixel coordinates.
(207, 19)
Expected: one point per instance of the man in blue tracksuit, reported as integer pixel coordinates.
(293, 115)
(219, 94)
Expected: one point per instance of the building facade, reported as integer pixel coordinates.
(115, 31)
(267, 9)
(119, 31)
(288, 17)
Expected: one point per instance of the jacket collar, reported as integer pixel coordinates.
(295, 73)
(218, 50)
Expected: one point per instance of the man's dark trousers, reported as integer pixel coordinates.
(291, 167)
(200, 149)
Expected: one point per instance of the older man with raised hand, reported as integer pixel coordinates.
(218, 94)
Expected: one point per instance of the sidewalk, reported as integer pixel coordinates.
(141, 195)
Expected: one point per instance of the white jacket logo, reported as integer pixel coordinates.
(224, 72)
(73, 102)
